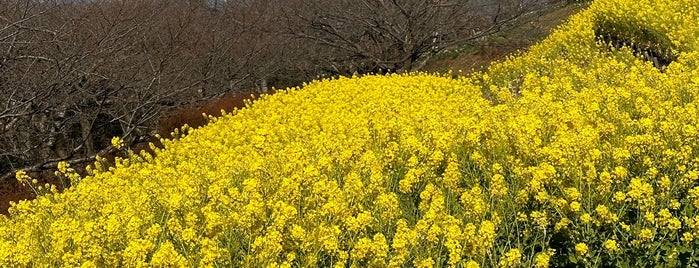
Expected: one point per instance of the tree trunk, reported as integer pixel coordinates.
(86, 128)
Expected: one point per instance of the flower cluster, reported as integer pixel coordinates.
(570, 154)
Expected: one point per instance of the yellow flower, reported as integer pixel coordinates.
(573, 194)
(620, 172)
(166, 255)
(472, 264)
(117, 143)
(21, 176)
(687, 237)
(379, 246)
(424, 263)
(619, 197)
(674, 224)
(361, 249)
(581, 249)
(63, 167)
(610, 245)
(585, 218)
(297, 232)
(625, 226)
(645, 235)
(522, 217)
(498, 186)
(562, 224)
(649, 217)
(605, 215)
(674, 204)
(539, 218)
(542, 259)
(511, 258)
(574, 206)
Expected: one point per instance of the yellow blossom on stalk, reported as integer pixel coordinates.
(361, 249)
(605, 215)
(522, 217)
(379, 246)
(423, 263)
(664, 215)
(620, 172)
(625, 226)
(649, 217)
(581, 249)
(687, 237)
(674, 204)
(511, 258)
(486, 236)
(117, 142)
(452, 176)
(562, 224)
(473, 202)
(166, 255)
(665, 183)
(610, 245)
(539, 218)
(498, 186)
(212, 253)
(674, 224)
(619, 197)
(521, 197)
(21, 176)
(453, 237)
(387, 205)
(560, 203)
(477, 158)
(605, 178)
(543, 259)
(297, 232)
(574, 206)
(471, 264)
(402, 241)
(645, 235)
(573, 194)
(585, 218)
(63, 167)
(694, 196)
(541, 196)
(409, 181)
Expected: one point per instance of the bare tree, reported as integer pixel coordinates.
(75, 73)
(391, 35)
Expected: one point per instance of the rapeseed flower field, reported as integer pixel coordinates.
(575, 153)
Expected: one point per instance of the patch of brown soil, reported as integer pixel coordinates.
(192, 116)
(11, 191)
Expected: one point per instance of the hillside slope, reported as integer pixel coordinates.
(578, 152)
(513, 38)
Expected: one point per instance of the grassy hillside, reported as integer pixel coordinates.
(515, 37)
(576, 153)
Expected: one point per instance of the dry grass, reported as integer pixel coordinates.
(478, 55)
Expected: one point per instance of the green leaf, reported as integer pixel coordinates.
(666, 247)
(572, 258)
